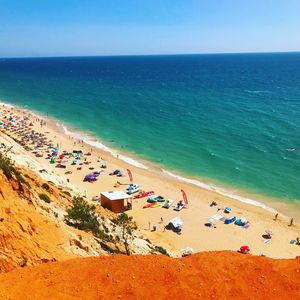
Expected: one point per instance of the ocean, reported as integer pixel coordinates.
(227, 120)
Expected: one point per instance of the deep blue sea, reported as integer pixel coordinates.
(228, 119)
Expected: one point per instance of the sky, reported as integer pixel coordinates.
(130, 27)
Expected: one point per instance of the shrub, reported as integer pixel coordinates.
(67, 193)
(46, 187)
(6, 166)
(161, 250)
(83, 216)
(45, 198)
(9, 170)
(127, 226)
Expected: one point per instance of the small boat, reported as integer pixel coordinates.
(180, 205)
(160, 199)
(155, 205)
(133, 188)
(151, 197)
(168, 203)
(155, 198)
(148, 205)
(144, 194)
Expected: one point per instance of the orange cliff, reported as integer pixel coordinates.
(39, 259)
(207, 275)
(29, 232)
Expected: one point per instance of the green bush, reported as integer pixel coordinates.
(128, 227)
(45, 198)
(83, 216)
(9, 170)
(6, 166)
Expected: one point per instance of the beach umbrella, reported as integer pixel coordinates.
(227, 210)
(245, 249)
(187, 251)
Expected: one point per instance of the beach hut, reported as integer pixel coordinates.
(116, 201)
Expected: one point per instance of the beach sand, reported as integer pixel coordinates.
(194, 233)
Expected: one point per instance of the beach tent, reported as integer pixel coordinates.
(90, 177)
(175, 224)
(177, 221)
(245, 249)
(187, 251)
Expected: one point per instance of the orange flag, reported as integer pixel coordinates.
(130, 175)
(184, 197)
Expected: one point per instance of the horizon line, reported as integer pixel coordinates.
(153, 54)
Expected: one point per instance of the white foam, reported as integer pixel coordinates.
(131, 161)
(6, 105)
(220, 191)
(97, 144)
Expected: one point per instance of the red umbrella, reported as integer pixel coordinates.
(245, 249)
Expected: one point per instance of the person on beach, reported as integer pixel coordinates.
(161, 220)
(213, 203)
(291, 222)
(276, 216)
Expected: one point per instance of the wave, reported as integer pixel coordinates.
(256, 91)
(97, 144)
(6, 104)
(220, 191)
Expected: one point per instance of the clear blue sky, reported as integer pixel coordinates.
(113, 27)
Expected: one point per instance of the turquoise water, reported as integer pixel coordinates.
(233, 120)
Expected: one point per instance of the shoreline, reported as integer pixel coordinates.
(225, 237)
(97, 143)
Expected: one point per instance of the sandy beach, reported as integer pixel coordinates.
(194, 233)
